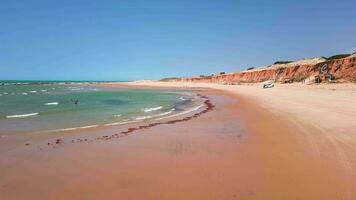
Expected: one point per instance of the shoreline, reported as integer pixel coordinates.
(284, 99)
(240, 150)
(321, 115)
(11, 124)
(56, 137)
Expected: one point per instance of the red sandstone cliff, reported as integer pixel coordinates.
(340, 69)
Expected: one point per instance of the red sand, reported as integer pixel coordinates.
(236, 151)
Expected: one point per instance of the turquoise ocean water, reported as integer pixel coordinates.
(30, 106)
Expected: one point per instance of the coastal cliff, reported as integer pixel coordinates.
(307, 71)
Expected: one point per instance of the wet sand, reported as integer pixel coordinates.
(237, 150)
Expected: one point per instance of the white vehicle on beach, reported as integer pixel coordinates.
(268, 85)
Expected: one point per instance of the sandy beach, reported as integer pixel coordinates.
(287, 142)
(178, 100)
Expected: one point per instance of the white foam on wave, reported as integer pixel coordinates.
(117, 115)
(152, 109)
(22, 115)
(33, 91)
(43, 90)
(153, 116)
(51, 104)
(90, 126)
(165, 113)
(24, 93)
(182, 98)
(143, 117)
(122, 122)
(65, 129)
(70, 129)
(182, 113)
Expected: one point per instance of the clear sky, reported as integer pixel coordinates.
(126, 40)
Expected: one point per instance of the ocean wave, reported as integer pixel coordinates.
(33, 91)
(51, 104)
(24, 93)
(90, 126)
(165, 113)
(182, 98)
(74, 88)
(22, 115)
(152, 109)
(70, 129)
(63, 129)
(20, 83)
(117, 115)
(182, 113)
(122, 122)
(143, 117)
(153, 116)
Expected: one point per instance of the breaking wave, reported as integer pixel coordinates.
(182, 113)
(122, 122)
(153, 116)
(22, 115)
(51, 104)
(71, 129)
(152, 109)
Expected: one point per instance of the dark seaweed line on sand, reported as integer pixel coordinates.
(207, 102)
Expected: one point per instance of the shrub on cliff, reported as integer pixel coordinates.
(282, 62)
(250, 68)
(169, 79)
(299, 78)
(338, 56)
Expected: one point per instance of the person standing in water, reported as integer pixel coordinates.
(75, 101)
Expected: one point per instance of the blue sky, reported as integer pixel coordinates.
(127, 40)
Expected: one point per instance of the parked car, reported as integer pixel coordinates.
(268, 85)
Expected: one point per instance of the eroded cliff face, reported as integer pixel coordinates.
(340, 69)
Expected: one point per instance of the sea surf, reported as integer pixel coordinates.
(60, 106)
